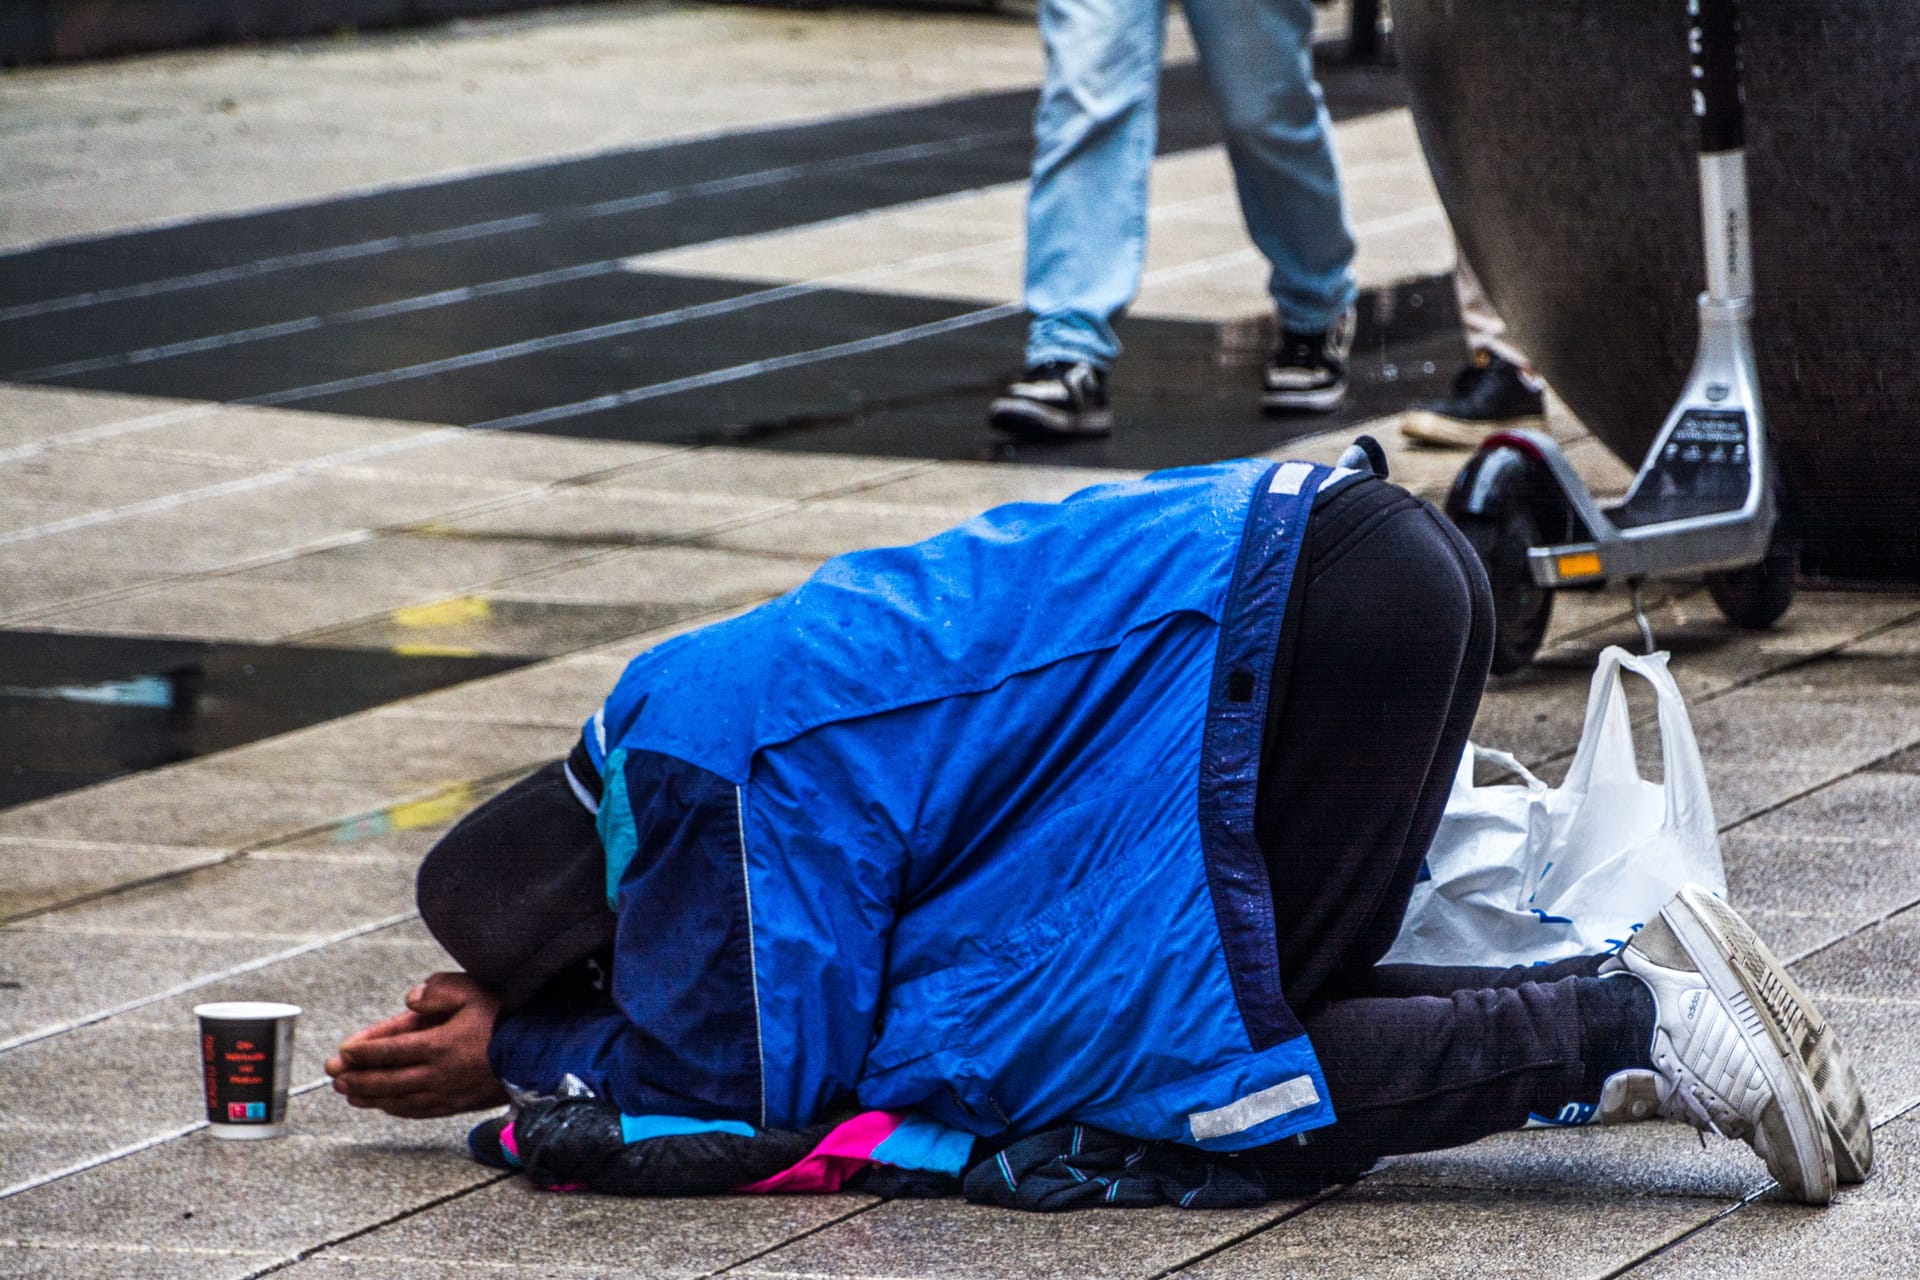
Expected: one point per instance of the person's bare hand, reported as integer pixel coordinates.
(430, 1060)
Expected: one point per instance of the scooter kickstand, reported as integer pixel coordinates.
(1640, 614)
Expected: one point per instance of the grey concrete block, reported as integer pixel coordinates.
(562, 693)
(92, 1261)
(1871, 1231)
(281, 1195)
(502, 622)
(196, 803)
(978, 486)
(137, 1073)
(946, 1238)
(1656, 1158)
(266, 902)
(390, 758)
(591, 516)
(757, 474)
(61, 483)
(700, 578)
(1408, 1233)
(34, 415)
(832, 526)
(515, 1223)
(55, 977)
(1879, 961)
(43, 872)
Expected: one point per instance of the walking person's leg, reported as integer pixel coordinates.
(1094, 135)
(1258, 59)
(1497, 389)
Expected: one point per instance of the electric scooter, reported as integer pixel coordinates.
(1707, 498)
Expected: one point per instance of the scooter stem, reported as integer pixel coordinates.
(1713, 42)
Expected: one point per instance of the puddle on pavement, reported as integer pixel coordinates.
(79, 709)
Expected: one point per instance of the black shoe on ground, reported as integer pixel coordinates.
(1308, 371)
(1057, 399)
(1490, 394)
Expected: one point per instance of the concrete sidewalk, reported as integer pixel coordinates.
(282, 868)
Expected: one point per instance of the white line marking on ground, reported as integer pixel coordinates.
(621, 399)
(500, 226)
(205, 980)
(133, 1149)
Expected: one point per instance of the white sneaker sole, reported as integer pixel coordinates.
(1792, 1086)
(1021, 417)
(1321, 400)
(1796, 1025)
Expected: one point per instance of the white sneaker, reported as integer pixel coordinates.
(1795, 1022)
(1721, 1061)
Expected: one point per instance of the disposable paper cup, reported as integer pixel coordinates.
(246, 1050)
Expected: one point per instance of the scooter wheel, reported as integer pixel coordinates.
(1521, 606)
(1754, 597)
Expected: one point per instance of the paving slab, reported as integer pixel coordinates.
(750, 473)
(1871, 1231)
(316, 591)
(196, 803)
(700, 579)
(1389, 1232)
(501, 623)
(256, 900)
(61, 483)
(559, 693)
(978, 486)
(32, 416)
(43, 872)
(960, 1241)
(832, 526)
(513, 1223)
(392, 758)
(216, 431)
(134, 1076)
(607, 515)
(283, 1195)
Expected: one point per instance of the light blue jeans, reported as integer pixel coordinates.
(1093, 149)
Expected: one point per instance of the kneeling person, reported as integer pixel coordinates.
(1099, 812)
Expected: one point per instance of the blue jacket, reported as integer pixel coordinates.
(964, 826)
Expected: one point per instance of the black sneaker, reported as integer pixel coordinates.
(1489, 394)
(1308, 372)
(1058, 398)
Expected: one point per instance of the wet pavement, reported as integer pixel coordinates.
(416, 381)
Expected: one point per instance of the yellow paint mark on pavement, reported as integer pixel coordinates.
(440, 807)
(444, 613)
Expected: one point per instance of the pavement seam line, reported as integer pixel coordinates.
(131, 1149)
(490, 227)
(1313, 1201)
(332, 542)
(1716, 1219)
(875, 273)
(815, 1230)
(303, 1255)
(614, 400)
(271, 842)
(205, 980)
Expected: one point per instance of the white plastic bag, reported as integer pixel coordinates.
(1524, 872)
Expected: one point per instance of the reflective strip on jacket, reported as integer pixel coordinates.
(964, 826)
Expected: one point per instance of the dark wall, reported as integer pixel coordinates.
(1562, 142)
(58, 30)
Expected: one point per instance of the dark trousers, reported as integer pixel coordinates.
(1380, 664)
(1378, 674)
